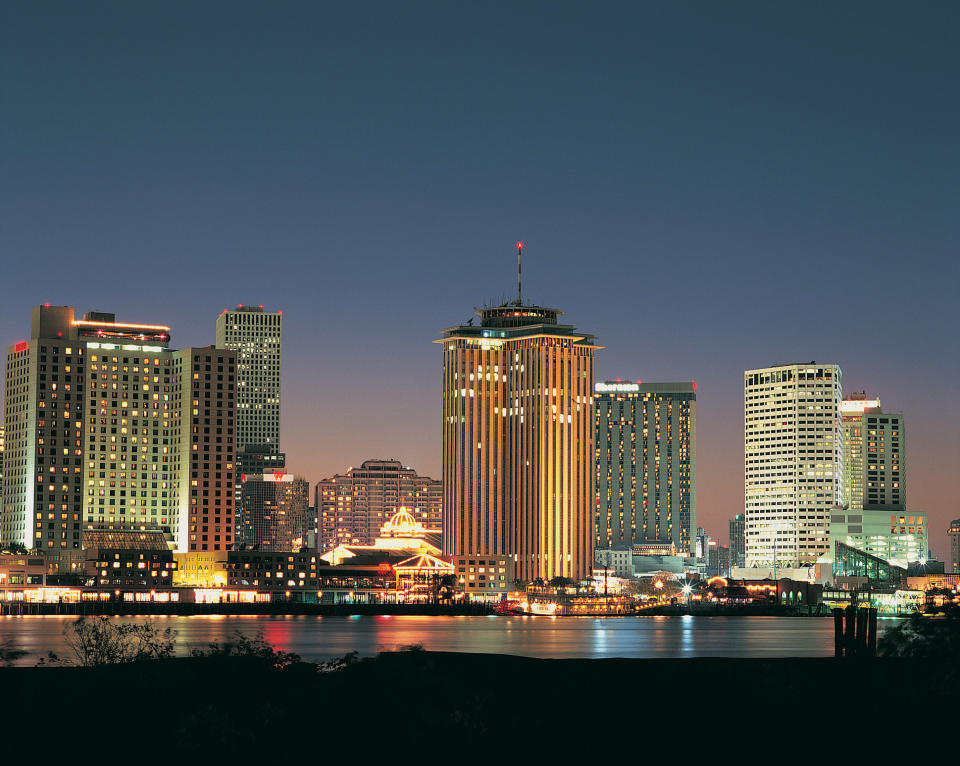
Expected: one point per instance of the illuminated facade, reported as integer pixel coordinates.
(645, 437)
(274, 515)
(352, 507)
(518, 441)
(256, 336)
(109, 428)
(793, 462)
(874, 467)
(897, 537)
(737, 540)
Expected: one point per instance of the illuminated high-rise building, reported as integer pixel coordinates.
(793, 462)
(102, 420)
(256, 336)
(353, 507)
(274, 513)
(646, 468)
(875, 473)
(518, 441)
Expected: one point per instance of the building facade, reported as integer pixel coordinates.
(900, 538)
(107, 427)
(274, 512)
(737, 540)
(518, 441)
(257, 338)
(875, 473)
(645, 482)
(353, 506)
(953, 532)
(793, 462)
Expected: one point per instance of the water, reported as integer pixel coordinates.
(320, 638)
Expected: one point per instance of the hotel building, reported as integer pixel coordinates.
(108, 428)
(353, 506)
(793, 462)
(518, 441)
(875, 474)
(645, 440)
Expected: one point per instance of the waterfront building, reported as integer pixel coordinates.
(793, 462)
(402, 532)
(899, 538)
(518, 441)
(200, 569)
(953, 531)
(489, 577)
(128, 559)
(618, 559)
(205, 444)
(107, 427)
(20, 571)
(352, 507)
(854, 568)
(274, 514)
(737, 540)
(257, 338)
(645, 440)
(294, 571)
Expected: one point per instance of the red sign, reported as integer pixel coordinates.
(21, 346)
(278, 475)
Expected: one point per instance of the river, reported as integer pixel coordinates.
(320, 638)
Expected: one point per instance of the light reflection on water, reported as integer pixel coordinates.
(320, 638)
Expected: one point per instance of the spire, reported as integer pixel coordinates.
(519, 275)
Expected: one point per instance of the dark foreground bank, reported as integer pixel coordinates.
(462, 706)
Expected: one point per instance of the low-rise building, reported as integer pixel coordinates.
(200, 569)
(484, 577)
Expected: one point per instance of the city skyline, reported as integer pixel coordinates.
(861, 187)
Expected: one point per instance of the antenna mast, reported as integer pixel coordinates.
(519, 275)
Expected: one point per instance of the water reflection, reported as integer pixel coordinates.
(320, 638)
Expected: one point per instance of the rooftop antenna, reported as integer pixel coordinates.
(519, 275)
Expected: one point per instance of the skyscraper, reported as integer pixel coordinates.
(353, 506)
(875, 473)
(106, 427)
(256, 335)
(646, 466)
(518, 441)
(793, 462)
(737, 540)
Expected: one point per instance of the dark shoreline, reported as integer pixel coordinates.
(459, 702)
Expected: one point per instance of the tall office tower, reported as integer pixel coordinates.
(646, 466)
(352, 507)
(953, 531)
(518, 441)
(97, 425)
(275, 512)
(205, 444)
(793, 462)
(256, 336)
(737, 540)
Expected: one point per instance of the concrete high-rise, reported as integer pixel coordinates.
(793, 462)
(104, 424)
(518, 441)
(352, 507)
(256, 335)
(645, 461)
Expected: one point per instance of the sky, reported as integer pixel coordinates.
(707, 187)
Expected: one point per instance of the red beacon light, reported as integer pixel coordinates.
(519, 245)
(639, 382)
(694, 384)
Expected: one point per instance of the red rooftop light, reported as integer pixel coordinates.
(519, 245)
(46, 305)
(694, 384)
(639, 382)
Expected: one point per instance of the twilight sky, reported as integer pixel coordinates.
(708, 187)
